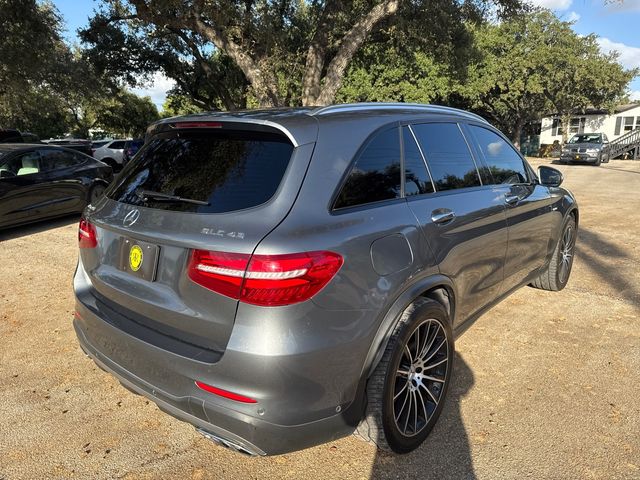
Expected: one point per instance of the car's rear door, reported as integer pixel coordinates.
(462, 218)
(531, 216)
(243, 179)
(19, 187)
(61, 184)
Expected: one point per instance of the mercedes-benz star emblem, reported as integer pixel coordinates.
(131, 218)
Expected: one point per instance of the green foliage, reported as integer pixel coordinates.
(176, 104)
(536, 64)
(234, 54)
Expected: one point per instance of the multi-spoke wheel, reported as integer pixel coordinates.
(556, 275)
(406, 391)
(420, 377)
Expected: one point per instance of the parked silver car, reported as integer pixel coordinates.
(585, 147)
(281, 278)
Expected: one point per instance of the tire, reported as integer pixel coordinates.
(555, 277)
(389, 424)
(598, 161)
(95, 192)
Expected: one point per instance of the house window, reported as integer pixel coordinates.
(576, 125)
(628, 124)
(556, 127)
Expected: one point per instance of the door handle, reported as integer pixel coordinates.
(511, 199)
(442, 215)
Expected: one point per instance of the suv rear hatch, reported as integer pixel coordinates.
(218, 187)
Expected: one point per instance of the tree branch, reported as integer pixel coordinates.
(350, 44)
(316, 54)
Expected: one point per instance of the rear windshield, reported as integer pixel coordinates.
(229, 170)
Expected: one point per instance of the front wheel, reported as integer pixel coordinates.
(407, 390)
(556, 275)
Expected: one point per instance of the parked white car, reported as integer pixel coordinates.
(111, 153)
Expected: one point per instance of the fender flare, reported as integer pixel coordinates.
(393, 314)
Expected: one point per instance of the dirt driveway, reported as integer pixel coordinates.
(547, 385)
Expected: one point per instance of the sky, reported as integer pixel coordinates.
(615, 22)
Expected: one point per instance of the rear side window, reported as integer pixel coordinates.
(58, 159)
(448, 156)
(504, 164)
(376, 174)
(229, 170)
(416, 177)
(117, 145)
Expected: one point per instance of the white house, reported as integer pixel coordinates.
(624, 119)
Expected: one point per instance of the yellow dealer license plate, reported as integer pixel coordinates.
(139, 258)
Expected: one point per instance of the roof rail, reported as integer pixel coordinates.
(353, 107)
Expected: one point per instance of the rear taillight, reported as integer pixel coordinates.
(87, 235)
(266, 280)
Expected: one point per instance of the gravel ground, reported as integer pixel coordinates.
(546, 385)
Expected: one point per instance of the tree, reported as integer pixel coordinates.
(32, 55)
(420, 56)
(533, 64)
(284, 52)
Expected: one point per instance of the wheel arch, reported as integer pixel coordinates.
(438, 287)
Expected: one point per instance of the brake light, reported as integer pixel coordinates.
(225, 393)
(265, 280)
(196, 125)
(87, 237)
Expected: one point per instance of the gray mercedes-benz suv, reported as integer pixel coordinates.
(281, 278)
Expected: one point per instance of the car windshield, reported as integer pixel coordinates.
(586, 138)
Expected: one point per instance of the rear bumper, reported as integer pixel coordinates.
(291, 412)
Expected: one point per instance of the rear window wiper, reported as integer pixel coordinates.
(145, 195)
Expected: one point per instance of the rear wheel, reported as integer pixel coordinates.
(556, 275)
(406, 392)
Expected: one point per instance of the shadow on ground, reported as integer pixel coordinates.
(38, 227)
(446, 453)
(596, 252)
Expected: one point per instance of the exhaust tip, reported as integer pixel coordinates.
(225, 443)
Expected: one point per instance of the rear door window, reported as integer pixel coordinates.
(447, 154)
(504, 163)
(416, 178)
(59, 159)
(229, 170)
(376, 174)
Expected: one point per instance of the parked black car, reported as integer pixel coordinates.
(41, 181)
(10, 135)
(79, 144)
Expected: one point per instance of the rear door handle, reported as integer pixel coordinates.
(442, 215)
(511, 199)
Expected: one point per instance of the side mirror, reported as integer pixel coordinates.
(549, 176)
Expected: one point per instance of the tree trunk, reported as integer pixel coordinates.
(349, 45)
(517, 133)
(316, 55)
(565, 119)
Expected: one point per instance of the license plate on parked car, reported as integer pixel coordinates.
(139, 258)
